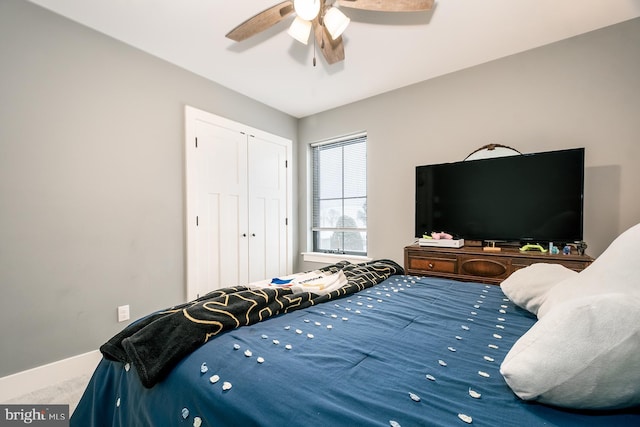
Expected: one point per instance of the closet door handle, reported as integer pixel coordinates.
(244, 234)
(253, 234)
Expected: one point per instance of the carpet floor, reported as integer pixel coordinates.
(65, 392)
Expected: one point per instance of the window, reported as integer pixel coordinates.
(340, 195)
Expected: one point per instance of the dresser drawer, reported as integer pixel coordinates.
(434, 264)
(484, 267)
(573, 265)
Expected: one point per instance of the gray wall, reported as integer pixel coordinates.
(91, 182)
(580, 92)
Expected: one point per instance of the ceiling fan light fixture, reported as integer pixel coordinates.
(324, 17)
(335, 22)
(307, 9)
(300, 30)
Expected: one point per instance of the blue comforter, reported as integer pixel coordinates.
(406, 352)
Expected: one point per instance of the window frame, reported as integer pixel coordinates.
(315, 229)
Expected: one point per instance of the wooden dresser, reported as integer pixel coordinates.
(476, 265)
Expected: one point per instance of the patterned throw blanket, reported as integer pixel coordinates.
(156, 343)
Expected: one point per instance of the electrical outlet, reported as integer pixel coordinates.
(123, 313)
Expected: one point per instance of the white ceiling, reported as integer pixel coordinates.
(384, 51)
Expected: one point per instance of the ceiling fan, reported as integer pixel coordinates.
(326, 20)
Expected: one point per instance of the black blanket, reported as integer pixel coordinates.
(157, 342)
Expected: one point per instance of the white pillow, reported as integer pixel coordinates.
(528, 286)
(616, 270)
(584, 355)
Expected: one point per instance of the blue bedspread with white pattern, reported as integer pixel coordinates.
(407, 352)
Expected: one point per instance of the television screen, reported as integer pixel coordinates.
(534, 198)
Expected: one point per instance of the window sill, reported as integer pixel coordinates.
(333, 258)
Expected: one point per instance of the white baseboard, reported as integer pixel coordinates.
(43, 376)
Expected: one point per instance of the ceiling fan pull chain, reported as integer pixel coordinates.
(314, 51)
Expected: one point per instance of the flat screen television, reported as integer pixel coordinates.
(528, 198)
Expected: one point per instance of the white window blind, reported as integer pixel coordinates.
(340, 195)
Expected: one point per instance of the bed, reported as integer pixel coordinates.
(395, 350)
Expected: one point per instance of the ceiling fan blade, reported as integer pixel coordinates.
(260, 22)
(332, 50)
(388, 5)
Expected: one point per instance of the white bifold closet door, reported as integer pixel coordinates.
(238, 201)
(268, 220)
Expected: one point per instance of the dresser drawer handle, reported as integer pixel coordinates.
(431, 265)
